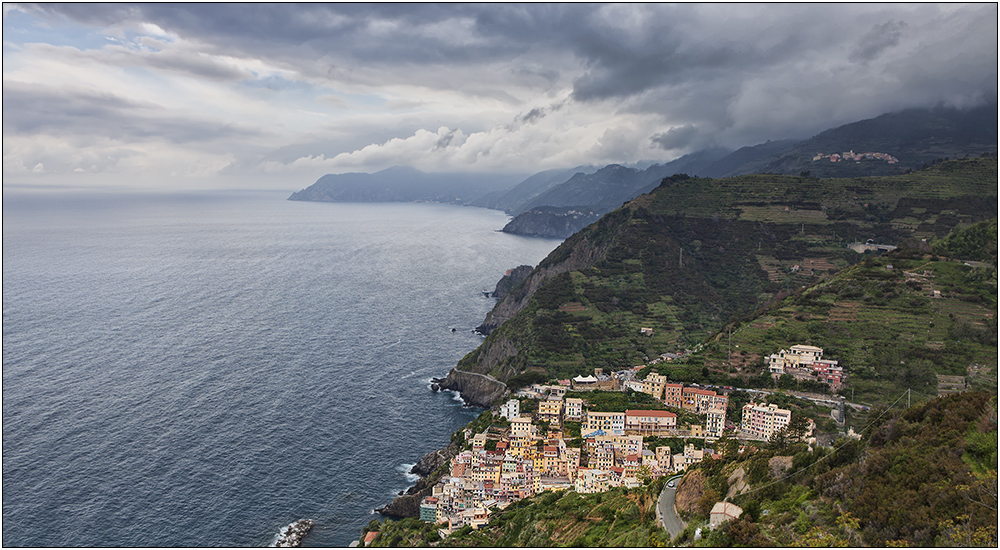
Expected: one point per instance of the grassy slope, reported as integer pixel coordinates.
(924, 476)
(696, 253)
(620, 517)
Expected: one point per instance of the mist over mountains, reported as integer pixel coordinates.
(557, 203)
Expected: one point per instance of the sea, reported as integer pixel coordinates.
(204, 368)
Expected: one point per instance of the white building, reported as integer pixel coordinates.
(574, 408)
(798, 356)
(511, 409)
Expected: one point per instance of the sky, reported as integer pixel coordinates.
(277, 95)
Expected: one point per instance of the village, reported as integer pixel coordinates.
(856, 157)
(523, 454)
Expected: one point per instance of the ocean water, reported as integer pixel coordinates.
(203, 369)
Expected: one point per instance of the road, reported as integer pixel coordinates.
(665, 508)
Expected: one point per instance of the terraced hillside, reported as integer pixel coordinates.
(696, 254)
(904, 320)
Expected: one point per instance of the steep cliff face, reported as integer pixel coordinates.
(478, 390)
(552, 222)
(581, 254)
(511, 279)
(433, 460)
(408, 505)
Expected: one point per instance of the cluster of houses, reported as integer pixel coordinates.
(806, 363)
(511, 463)
(531, 455)
(856, 157)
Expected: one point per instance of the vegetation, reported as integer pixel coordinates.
(620, 517)
(884, 322)
(708, 265)
(756, 254)
(923, 476)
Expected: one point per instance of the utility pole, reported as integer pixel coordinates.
(907, 398)
(730, 347)
(680, 261)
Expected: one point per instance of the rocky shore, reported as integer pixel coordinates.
(477, 390)
(430, 468)
(291, 535)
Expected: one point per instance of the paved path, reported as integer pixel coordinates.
(665, 508)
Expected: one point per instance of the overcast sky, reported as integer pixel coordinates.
(279, 94)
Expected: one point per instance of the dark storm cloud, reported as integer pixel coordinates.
(33, 109)
(625, 49)
(882, 36)
(533, 115)
(725, 74)
(677, 137)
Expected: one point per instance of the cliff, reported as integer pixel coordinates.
(552, 222)
(579, 253)
(431, 467)
(511, 279)
(478, 390)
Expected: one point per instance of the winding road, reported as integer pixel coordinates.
(665, 508)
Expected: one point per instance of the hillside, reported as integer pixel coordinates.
(914, 137)
(907, 319)
(513, 200)
(582, 199)
(403, 184)
(895, 143)
(696, 254)
(920, 476)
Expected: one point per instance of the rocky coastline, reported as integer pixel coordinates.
(476, 390)
(430, 468)
(291, 535)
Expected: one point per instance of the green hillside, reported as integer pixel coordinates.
(923, 476)
(697, 254)
(619, 517)
(904, 320)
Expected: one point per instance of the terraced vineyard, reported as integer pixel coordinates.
(695, 254)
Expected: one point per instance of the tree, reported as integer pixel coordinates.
(798, 426)
(644, 474)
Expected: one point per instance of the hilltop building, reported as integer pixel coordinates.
(806, 363)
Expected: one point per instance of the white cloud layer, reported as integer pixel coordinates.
(292, 92)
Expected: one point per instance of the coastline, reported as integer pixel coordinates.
(476, 390)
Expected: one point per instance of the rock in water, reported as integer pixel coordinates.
(291, 535)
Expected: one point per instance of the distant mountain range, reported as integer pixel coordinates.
(558, 203)
(404, 184)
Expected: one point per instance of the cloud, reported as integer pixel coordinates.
(677, 137)
(306, 88)
(29, 110)
(881, 37)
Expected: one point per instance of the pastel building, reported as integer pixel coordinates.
(653, 385)
(798, 356)
(550, 409)
(649, 422)
(715, 422)
(573, 408)
(762, 420)
(611, 423)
